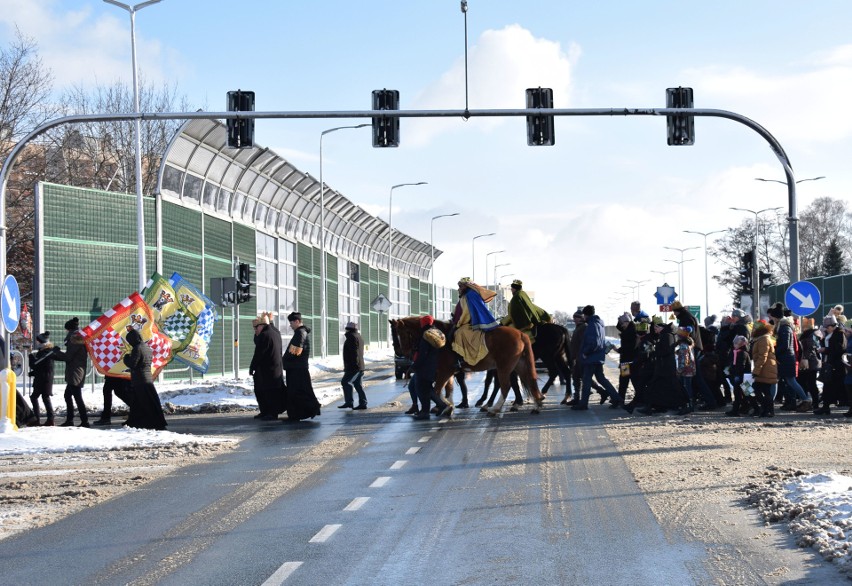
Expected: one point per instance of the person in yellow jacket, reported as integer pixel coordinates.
(522, 313)
(764, 366)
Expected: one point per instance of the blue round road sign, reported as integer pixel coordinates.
(10, 304)
(802, 298)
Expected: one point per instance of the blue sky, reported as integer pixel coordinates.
(579, 220)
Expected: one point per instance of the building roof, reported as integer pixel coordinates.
(255, 186)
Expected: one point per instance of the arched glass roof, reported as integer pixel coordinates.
(258, 187)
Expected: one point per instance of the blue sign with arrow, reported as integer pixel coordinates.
(802, 298)
(10, 304)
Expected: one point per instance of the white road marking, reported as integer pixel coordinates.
(398, 464)
(324, 533)
(357, 503)
(380, 481)
(282, 573)
(412, 451)
(424, 439)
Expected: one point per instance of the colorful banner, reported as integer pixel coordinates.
(176, 313)
(106, 342)
(195, 354)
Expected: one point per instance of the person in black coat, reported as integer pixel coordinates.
(267, 369)
(76, 359)
(627, 352)
(146, 412)
(663, 392)
(301, 402)
(425, 369)
(42, 371)
(832, 350)
(121, 388)
(353, 368)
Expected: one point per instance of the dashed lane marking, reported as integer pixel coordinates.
(282, 573)
(324, 533)
(424, 439)
(357, 503)
(410, 451)
(398, 464)
(380, 481)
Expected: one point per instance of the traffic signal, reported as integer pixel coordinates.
(223, 291)
(244, 283)
(681, 127)
(240, 132)
(766, 280)
(385, 130)
(540, 129)
(746, 270)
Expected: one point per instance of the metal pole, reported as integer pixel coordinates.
(323, 279)
(390, 247)
(432, 261)
(755, 272)
(137, 131)
(706, 278)
(473, 255)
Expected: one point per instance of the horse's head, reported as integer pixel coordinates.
(406, 335)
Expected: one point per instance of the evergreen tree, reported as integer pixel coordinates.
(833, 263)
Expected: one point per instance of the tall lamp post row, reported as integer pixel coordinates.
(486, 264)
(706, 282)
(473, 255)
(432, 263)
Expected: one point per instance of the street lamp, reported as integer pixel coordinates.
(502, 264)
(486, 264)
(785, 183)
(473, 256)
(755, 305)
(664, 273)
(140, 207)
(323, 302)
(432, 262)
(706, 286)
(680, 266)
(390, 231)
(638, 284)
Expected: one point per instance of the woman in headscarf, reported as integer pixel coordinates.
(146, 412)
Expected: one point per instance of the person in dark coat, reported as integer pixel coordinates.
(42, 371)
(301, 402)
(353, 368)
(832, 350)
(810, 361)
(627, 352)
(642, 367)
(425, 369)
(664, 388)
(146, 412)
(593, 351)
(787, 354)
(76, 360)
(267, 368)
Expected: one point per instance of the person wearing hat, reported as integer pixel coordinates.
(146, 412)
(685, 367)
(353, 368)
(833, 370)
(627, 351)
(786, 350)
(471, 319)
(663, 391)
(267, 369)
(425, 370)
(642, 365)
(522, 314)
(740, 365)
(76, 360)
(301, 402)
(41, 369)
(592, 354)
(837, 312)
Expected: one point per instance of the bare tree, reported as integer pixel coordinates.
(826, 219)
(25, 89)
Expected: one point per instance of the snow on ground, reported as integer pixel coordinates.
(209, 393)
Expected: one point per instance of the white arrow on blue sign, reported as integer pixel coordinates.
(802, 298)
(10, 304)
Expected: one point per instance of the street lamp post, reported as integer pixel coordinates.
(706, 285)
(664, 273)
(755, 271)
(486, 264)
(792, 218)
(390, 231)
(140, 206)
(496, 266)
(432, 261)
(323, 292)
(473, 255)
(680, 266)
(638, 284)
(501, 301)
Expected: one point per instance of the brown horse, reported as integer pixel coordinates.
(509, 350)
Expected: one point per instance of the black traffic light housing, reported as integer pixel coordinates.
(385, 130)
(766, 280)
(746, 271)
(681, 127)
(244, 282)
(240, 132)
(540, 129)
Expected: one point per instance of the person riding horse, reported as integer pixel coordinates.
(522, 313)
(471, 319)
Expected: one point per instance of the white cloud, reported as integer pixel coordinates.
(502, 65)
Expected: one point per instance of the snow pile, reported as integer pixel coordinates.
(817, 507)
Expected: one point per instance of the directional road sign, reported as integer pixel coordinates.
(10, 304)
(802, 298)
(665, 294)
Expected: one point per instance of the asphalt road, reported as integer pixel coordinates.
(372, 497)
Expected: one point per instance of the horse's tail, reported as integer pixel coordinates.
(531, 384)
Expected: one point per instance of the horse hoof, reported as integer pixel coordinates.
(479, 404)
(483, 409)
(491, 413)
(513, 408)
(535, 412)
